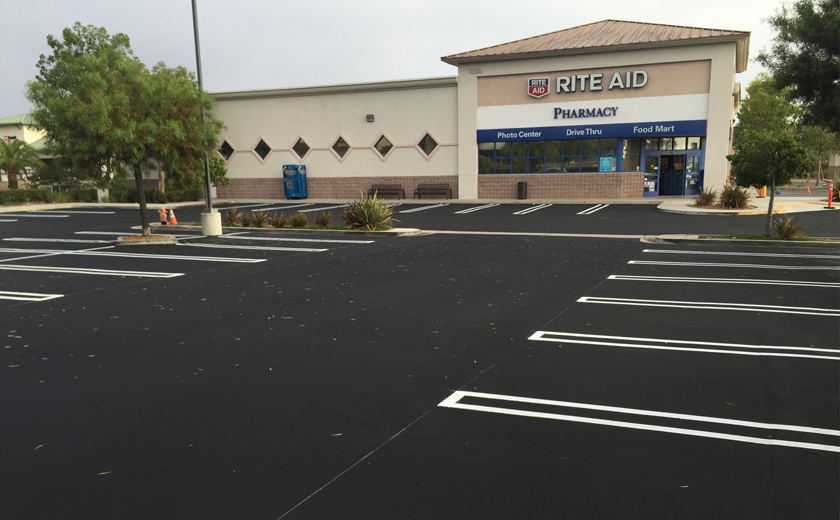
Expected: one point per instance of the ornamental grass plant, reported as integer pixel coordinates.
(259, 219)
(323, 219)
(706, 197)
(369, 213)
(734, 197)
(278, 220)
(232, 215)
(787, 226)
(299, 220)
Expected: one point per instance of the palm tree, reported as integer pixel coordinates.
(16, 155)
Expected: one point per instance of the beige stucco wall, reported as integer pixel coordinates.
(25, 133)
(403, 111)
(720, 112)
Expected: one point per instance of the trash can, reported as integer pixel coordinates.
(522, 190)
(294, 181)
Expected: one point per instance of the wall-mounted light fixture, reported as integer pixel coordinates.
(369, 118)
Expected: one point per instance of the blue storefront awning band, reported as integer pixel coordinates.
(623, 130)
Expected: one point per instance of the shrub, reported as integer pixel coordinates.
(368, 213)
(733, 197)
(55, 196)
(245, 219)
(259, 219)
(836, 196)
(232, 215)
(17, 196)
(787, 227)
(278, 220)
(81, 195)
(186, 194)
(323, 219)
(706, 197)
(299, 220)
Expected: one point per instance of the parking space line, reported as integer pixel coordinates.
(28, 297)
(423, 208)
(734, 253)
(59, 211)
(322, 209)
(34, 216)
(693, 346)
(115, 254)
(257, 248)
(279, 239)
(61, 240)
(532, 209)
(750, 307)
(75, 270)
(8, 220)
(476, 208)
(746, 281)
(285, 207)
(593, 209)
(249, 205)
(453, 401)
(745, 266)
(119, 233)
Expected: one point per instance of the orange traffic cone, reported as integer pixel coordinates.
(172, 220)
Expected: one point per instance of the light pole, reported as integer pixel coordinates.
(211, 220)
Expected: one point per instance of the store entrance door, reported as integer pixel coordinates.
(651, 177)
(672, 175)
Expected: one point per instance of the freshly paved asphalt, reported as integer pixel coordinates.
(308, 385)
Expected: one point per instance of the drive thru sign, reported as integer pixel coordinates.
(538, 87)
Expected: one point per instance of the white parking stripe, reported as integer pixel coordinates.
(30, 215)
(476, 208)
(751, 307)
(8, 220)
(274, 208)
(123, 234)
(633, 341)
(532, 209)
(593, 209)
(746, 281)
(283, 239)
(248, 206)
(258, 248)
(114, 254)
(733, 253)
(62, 240)
(57, 211)
(453, 401)
(423, 208)
(321, 209)
(27, 297)
(74, 270)
(744, 266)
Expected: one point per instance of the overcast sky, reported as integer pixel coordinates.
(255, 44)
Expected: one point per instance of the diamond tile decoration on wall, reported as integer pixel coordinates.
(427, 144)
(262, 149)
(301, 148)
(226, 150)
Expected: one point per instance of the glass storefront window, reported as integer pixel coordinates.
(652, 143)
(536, 149)
(520, 165)
(589, 164)
(631, 146)
(553, 165)
(571, 147)
(503, 149)
(693, 143)
(554, 148)
(502, 165)
(485, 150)
(520, 148)
(630, 163)
(485, 166)
(536, 165)
(679, 143)
(589, 147)
(666, 143)
(571, 164)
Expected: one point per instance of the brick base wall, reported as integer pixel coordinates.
(606, 185)
(345, 188)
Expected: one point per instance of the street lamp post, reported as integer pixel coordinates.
(211, 220)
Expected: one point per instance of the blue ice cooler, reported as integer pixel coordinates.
(294, 181)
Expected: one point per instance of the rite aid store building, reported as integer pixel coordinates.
(611, 110)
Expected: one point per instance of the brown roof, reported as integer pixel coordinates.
(607, 35)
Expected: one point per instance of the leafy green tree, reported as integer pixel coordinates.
(805, 56)
(15, 155)
(819, 143)
(194, 175)
(103, 109)
(769, 159)
(765, 109)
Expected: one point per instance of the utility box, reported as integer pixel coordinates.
(294, 181)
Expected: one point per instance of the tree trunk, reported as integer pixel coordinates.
(819, 172)
(768, 224)
(141, 197)
(161, 180)
(13, 183)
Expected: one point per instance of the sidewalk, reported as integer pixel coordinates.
(781, 205)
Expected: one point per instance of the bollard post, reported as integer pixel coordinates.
(830, 196)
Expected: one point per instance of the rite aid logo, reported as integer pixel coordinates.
(538, 87)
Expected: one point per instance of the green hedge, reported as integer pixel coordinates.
(9, 197)
(81, 195)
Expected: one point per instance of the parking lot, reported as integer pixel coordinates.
(472, 375)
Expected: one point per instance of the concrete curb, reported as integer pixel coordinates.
(696, 240)
(716, 212)
(158, 240)
(396, 232)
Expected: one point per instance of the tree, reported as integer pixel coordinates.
(765, 109)
(819, 143)
(805, 56)
(769, 159)
(15, 155)
(194, 175)
(102, 108)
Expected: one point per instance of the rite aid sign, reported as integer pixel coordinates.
(539, 87)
